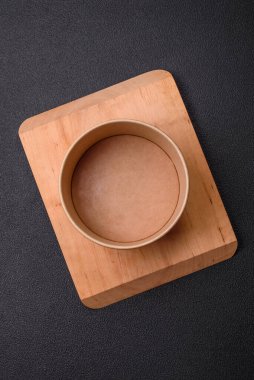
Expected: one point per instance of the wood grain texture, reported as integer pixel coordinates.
(202, 237)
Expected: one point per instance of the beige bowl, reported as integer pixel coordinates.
(124, 184)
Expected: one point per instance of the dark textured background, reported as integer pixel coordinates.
(198, 327)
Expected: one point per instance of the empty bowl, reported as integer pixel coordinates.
(124, 184)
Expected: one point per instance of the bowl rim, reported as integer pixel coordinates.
(135, 244)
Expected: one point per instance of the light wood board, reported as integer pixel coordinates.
(201, 238)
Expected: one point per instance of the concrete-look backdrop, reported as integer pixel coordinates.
(198, 327)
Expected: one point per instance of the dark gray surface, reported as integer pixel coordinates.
(198, 327)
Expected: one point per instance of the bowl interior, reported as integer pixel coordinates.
(124, 184)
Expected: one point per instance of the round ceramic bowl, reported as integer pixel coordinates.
(124, 184)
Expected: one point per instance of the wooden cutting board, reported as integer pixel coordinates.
(201, 238)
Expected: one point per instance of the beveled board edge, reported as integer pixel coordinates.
(160, 277)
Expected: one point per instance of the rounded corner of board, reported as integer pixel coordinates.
(163, 73)
(24, 126)
(90, 303)
(232, 248)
